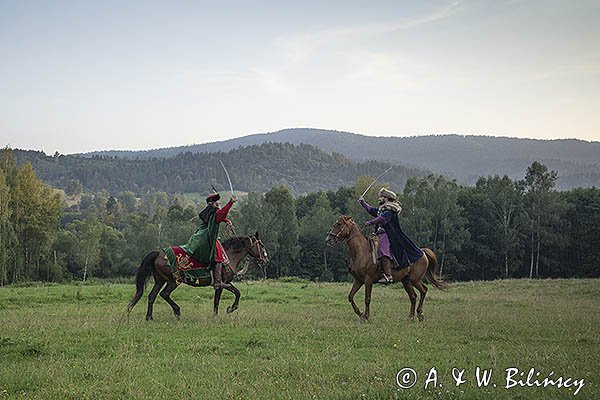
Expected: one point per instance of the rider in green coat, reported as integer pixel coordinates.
(203, 246)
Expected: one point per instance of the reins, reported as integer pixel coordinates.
(352, 232)
(248, 247)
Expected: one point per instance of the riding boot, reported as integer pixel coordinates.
(216, 275)
(386, 263)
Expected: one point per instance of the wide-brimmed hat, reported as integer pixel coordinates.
(213, 197)
(384, 192)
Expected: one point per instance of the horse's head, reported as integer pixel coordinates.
(256, 249)
(340, 230)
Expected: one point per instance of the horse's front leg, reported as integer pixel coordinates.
(217, 300)
(236, 301)
(368, 290)
(356, 285)
(412, 297)
(423, 291)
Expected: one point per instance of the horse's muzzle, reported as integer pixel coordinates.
(330, 240)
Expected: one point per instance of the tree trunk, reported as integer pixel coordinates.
(85, 267)
(506, 221)
(435, 235)
(443, 253)
(537, 257)
(14, 279)
(532, 254)
(55, 267)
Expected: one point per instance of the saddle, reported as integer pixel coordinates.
(374, 244)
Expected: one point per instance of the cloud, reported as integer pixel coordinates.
(585, 66)
(394, 71)
(299, 47)
(273, 80)
(306, 57)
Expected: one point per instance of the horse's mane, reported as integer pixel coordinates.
(353, 222)
(235, 243)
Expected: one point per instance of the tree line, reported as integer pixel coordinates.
(302, 168)
(499, 228)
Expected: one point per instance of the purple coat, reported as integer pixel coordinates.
(402, 248)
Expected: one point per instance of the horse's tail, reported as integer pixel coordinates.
(431, 275)
(141, 277)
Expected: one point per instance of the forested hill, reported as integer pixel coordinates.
(465, 158)
(303, 168)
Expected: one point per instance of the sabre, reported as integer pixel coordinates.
(230, 187)
(376, 179)
(228, 178)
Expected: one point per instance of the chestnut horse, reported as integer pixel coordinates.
(366, 272)
(154, 263)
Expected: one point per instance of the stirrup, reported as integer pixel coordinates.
(387, 279)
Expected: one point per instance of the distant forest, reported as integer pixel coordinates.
(498, 228)
(302, 168)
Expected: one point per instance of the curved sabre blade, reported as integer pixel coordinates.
(376, 179)
(228, 178)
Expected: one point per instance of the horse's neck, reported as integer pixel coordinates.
(236, 257)
(358, 244)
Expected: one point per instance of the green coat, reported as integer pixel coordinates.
(202, 244)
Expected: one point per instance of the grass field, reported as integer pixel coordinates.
(301, 340)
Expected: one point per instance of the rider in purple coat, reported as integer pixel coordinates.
(395, 247)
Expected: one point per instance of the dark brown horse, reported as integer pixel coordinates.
(365, 271)
(154, 263)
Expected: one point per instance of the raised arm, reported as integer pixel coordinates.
(368, 208)
(221, 215)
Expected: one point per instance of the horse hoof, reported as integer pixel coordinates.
(421, 317)
(231, 309)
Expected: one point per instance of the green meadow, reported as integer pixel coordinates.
(300, 340)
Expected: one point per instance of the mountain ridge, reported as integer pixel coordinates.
(462, 157)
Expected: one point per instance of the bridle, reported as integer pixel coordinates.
(260, 257)
(341, 236)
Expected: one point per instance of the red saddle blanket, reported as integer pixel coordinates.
(184, 268)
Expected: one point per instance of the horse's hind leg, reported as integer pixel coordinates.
(158, 284)
(368, 291)
(356, 285)
(217, 300)
(166, 294)
(236, 301)
(423, 291)
(412, 296)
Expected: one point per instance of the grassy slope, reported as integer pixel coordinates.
(296, 341)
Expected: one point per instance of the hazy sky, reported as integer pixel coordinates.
(93, 75)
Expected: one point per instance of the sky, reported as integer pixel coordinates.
(78, 76)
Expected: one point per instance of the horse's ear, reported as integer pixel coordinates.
(256, 235)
